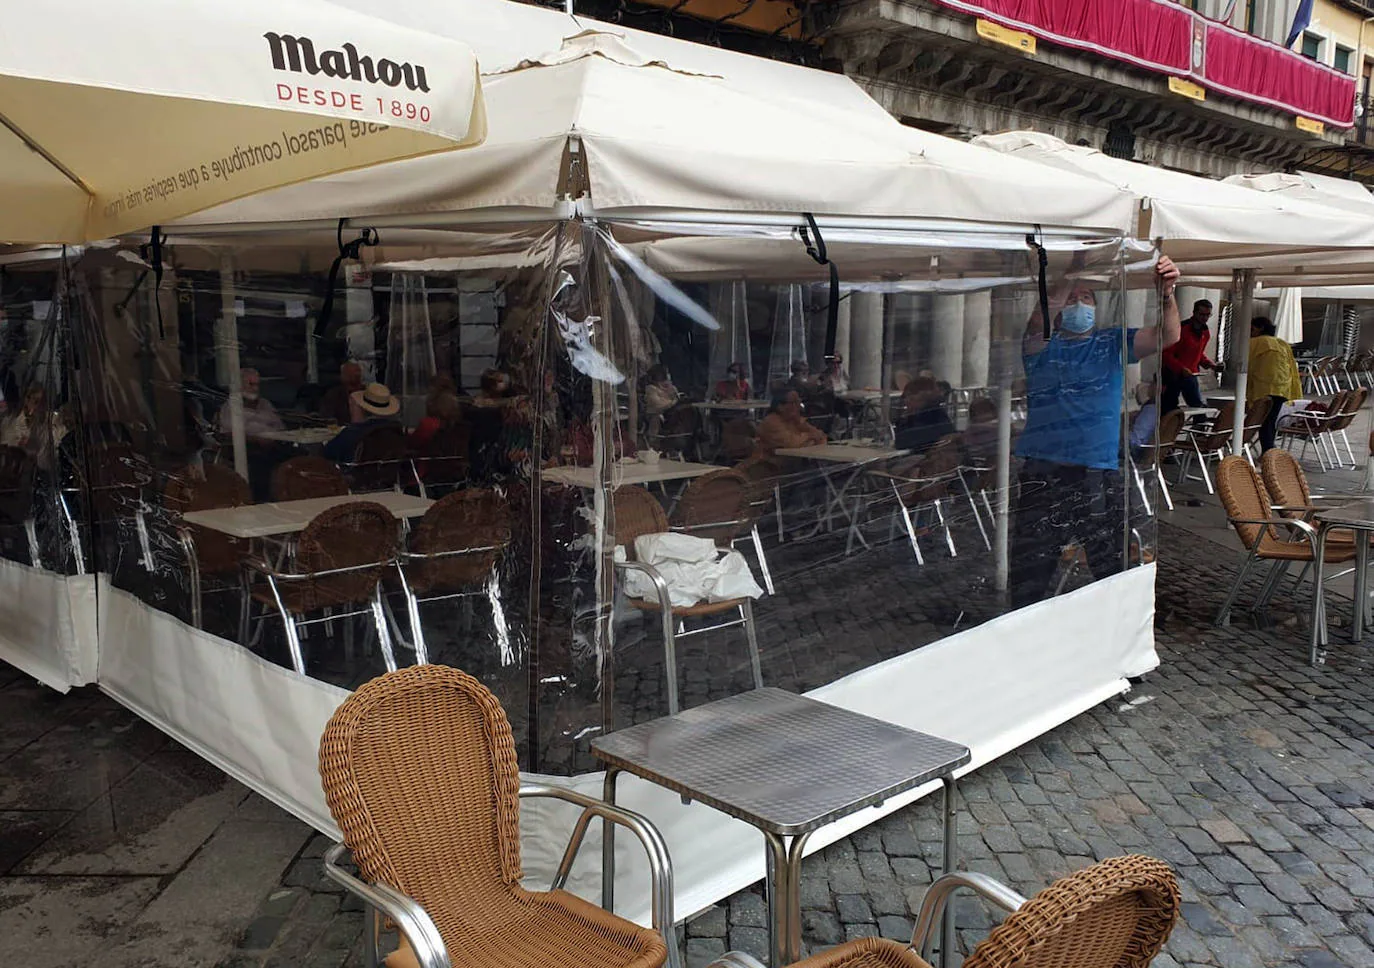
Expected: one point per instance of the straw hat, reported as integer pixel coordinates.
(376, 400)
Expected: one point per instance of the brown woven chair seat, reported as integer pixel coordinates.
(553, 928)
(868, 953)
(687, 611)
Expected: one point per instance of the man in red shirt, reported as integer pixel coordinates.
(1182, 360)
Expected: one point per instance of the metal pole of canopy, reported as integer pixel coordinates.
(227, 357)
(1243, 307)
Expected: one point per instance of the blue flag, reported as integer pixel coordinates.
(1301, 19)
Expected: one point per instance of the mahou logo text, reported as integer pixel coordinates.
(298, 54)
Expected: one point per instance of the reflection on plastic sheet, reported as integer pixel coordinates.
(446, 473)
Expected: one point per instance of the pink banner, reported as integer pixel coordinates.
(1167, 38)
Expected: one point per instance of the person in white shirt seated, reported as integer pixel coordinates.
(259, 416)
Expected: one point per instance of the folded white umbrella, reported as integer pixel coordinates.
(115, 117)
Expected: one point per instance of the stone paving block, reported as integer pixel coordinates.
(749, 910)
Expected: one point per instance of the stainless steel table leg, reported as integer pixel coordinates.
(792, 947)
(1361, 595)
(1318, 595)
(608, 845)
(779, 920)
(951, 808)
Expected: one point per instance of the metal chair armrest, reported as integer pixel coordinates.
(939, 893)
(660, 862)
(665, 600)
(409, 917)
(1300, 525)
(262, 567)
(407, 556)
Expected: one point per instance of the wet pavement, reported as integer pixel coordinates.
(1247, 770)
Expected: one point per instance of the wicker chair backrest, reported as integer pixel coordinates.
(474, 518)
(349, 535)
(305, 477)
(1284, 480)
(1243, 495)
(720, 498)
(1115, 914)
(378, 461)
(636, 512)
(419, 772)
(216, 552)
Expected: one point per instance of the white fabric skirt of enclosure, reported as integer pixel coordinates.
(48, 625)
(993, 687)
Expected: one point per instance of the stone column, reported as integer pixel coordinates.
(977, 339)
(946, 328)
(865, 358)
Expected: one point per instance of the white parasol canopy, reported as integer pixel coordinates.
(1212, 228)
(654, 124)
(113, 119)
(1288, 315)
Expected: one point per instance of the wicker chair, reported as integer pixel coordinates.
(765, 479)
(1209, 443)
(419, 772)
(679, 431)
(1313, 429)
(16, 497)
(1275, 539)
(737, 438)
(1115, 914)
(1256, 412)
(301, 478)
(340, 559)
(720, 505)
(453, 553)
(381, 458)
(637, 512)
(444, 463)
(210, 553)
(917, 484)
(1151, 457)
(1354, 403)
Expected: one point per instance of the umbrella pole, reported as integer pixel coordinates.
(1243, 307)
(227, 357)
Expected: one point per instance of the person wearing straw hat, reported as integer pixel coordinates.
(371, 407)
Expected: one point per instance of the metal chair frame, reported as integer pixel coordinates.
(414, 601)
(294, 625)
(928, 918)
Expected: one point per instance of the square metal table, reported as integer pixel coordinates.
(787, 765)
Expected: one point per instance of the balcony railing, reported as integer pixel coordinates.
(1166, 38)
(1363, 132)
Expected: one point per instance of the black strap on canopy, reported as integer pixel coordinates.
(817, 252)
(1035, 241)
(347, 250)
(151, 253)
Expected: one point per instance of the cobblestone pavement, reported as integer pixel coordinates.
(1248, 771)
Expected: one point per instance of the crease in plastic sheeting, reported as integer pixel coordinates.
(661, 286)
(577, 338)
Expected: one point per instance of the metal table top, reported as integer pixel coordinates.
(1356, 514)
(288, 517)
(782, 762)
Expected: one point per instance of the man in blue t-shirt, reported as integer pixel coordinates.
(1070, 480)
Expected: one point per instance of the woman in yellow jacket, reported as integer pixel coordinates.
(1273, 374)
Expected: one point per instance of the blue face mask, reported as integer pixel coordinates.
(1077, 318)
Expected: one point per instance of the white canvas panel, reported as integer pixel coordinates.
(48, 624)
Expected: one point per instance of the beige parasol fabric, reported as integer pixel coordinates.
(113, 118)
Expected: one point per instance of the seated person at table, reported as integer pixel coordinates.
(496, 389)
(370, 408)
(442, 409)
(1146, 418)
(734, 386)
(785, 426)
(980, 436)
(925, 420)
(835, 379)
(660, 396)
(334, 403)
(259, 416)
(801, 379)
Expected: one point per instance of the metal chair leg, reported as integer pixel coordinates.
(1164, 487)
(763, 559)
(746, 611)
(1140, 486)
(31, 532)
(670, 659)
(910, 528)
(1224, 616)
(977, 516)
(383, 634)
(949, 536)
